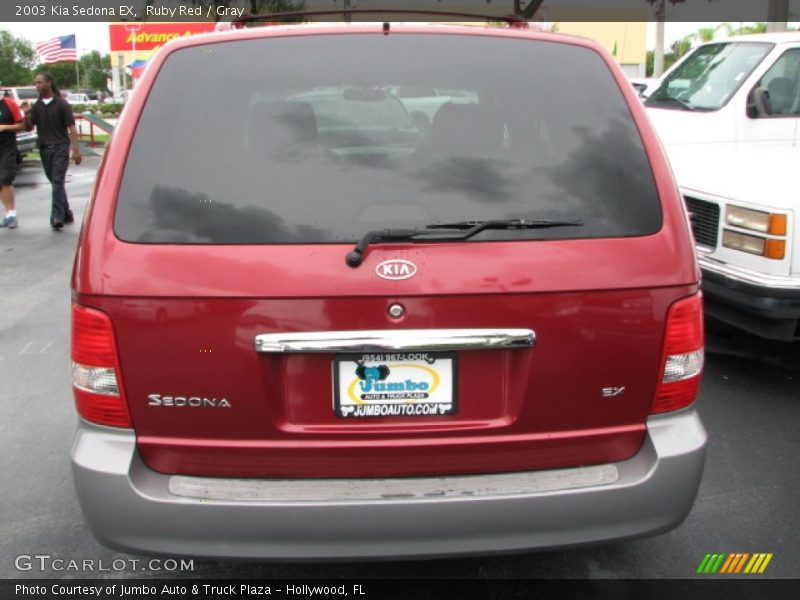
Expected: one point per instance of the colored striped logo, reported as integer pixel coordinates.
(734, 563)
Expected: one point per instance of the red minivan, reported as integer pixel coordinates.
(327, 320)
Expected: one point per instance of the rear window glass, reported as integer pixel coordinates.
(321, 138)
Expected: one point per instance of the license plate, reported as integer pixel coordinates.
(400, 384)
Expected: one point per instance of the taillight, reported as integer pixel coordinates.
(99, 397)
(682, 361)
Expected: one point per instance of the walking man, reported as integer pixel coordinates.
(55, 124)
(10, 123)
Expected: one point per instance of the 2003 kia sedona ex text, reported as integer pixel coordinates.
(416, 290)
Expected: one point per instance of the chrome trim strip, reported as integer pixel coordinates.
(749, 277)
(432, 340)
(209, 489)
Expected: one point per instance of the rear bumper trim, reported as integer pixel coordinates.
(432, 340)
(339, 490)
(131, 507)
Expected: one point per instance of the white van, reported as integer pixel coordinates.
(729, 117)
(27, 141)
(26, 93)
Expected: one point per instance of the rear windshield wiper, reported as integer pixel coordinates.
(356, 255)
(466, 229)
(474, 227)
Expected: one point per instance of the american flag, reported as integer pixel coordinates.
(59, 49)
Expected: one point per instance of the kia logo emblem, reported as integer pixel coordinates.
(395, 270)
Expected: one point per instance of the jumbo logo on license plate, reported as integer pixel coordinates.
(404, 384)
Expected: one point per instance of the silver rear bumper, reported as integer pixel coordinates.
(131, 507)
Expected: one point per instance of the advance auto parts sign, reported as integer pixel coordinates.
(151, 35)
(404, 384)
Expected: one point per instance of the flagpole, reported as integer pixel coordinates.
(133, 28)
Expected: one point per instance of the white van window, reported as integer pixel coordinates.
(782, 83)
(27, 93)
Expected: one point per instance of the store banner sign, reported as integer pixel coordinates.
(147, 36)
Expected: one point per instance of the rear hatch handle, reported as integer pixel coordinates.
(398, 340)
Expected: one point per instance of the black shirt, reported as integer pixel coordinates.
(52, 121)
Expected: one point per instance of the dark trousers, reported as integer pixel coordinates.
(55, 160)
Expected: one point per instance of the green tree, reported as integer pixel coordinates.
(682, 46)
(17, 58)
(748, 29)
(669, 60)
(726, 28)
(705, 34)
(95, 71)
(63, 72)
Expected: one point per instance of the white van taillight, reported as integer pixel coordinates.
(682, 362)
(99, 397)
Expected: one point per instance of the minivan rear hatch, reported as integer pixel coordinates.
(248, 347)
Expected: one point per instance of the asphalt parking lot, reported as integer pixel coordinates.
(747, 502)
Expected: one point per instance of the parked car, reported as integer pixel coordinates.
(77, 98)
(96, 96)
(27, 142)
(358, 121)
(21, 94)
(729, 115)
(300, 329)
